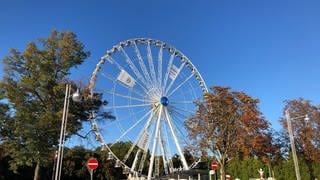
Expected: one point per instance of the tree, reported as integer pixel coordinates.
(33, 84)
(5, 121)
(307, 140)
(246, 169)
(281, 151)
(229, 124)
(75, 163)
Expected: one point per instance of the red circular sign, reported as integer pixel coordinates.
(92, 163)
(214, 165)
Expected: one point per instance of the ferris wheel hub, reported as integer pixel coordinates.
(164, 101)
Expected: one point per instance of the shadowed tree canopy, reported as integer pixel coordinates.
(229, 124)
(5, 121)
(306, 133)
(33, 85)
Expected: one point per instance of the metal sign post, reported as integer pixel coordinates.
(92, 164)
(91, 174)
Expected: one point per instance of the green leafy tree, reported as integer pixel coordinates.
(107, 169)
(176, 160)
(281, 151)
(33, 84)
(229, 124)
(246, 168)
(75, 161)
(285, 169)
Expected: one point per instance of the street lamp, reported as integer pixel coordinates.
(293, 148)
(77, 98)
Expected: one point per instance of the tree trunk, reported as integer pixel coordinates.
(222, 172)
(311, 170)
(36, 171)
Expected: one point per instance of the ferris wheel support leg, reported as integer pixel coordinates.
(183, 159)
(154, 146)
(165, 165)
(135, 160)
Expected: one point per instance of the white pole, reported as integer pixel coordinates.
(183, 159)
(293, 148)
(155, 141)
(65, 128)
(62, 133)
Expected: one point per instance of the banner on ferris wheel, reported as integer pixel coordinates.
(174, 71)
(126, 79)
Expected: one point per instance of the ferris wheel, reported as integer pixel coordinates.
(151, 89)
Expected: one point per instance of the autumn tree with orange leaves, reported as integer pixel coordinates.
(306, 133)
(229, 124)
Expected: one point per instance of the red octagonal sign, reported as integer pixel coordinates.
(92, 163)
(214, 165)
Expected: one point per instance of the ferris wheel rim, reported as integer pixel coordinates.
(142, 40)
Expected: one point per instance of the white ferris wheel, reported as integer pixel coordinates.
(151, 88)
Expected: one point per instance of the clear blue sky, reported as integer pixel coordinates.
(267, 49)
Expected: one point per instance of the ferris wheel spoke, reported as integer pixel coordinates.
(166, 76)
(124, 118)
(134, 125)
(180, 85)
(114, 80)
(107, 76)
(160, 66)
(179, 114)
(128, 106)
(142, 64)
(151, 66)
(182, 109)
(182, 102)
(182, 134)
(120, 68)
(133, 67)
(179, 117)
(174, 78)
(125, 96)
(179, 120)
(112, 61)
(186, 94)
(141, 134)
(169, 120)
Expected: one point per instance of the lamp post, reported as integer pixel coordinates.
(77, 98)
(293, 147)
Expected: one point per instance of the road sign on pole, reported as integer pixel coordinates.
(92, 163)
(214, 165)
